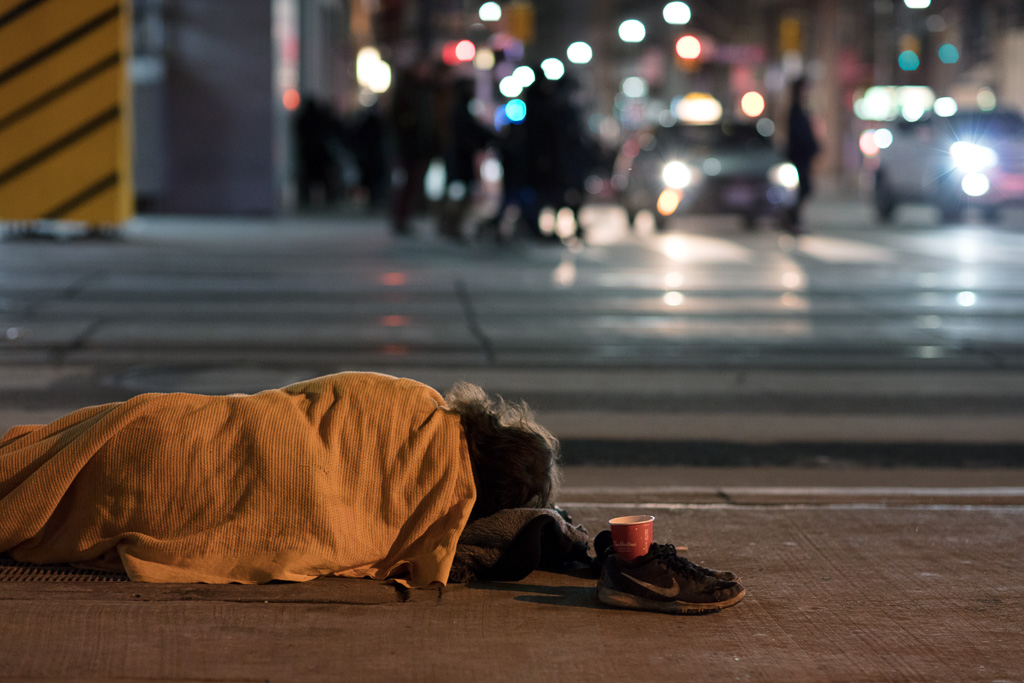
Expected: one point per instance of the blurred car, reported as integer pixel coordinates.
(967, 159)
(707, 168)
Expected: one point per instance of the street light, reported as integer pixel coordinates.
(490, 11)
(579, 53)
(676, 13)
(553, 68)
(688, 47)
(752, 104)
(510, 87)
(524, 75)
(632, 31)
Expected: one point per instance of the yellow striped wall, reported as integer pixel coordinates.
(65, 110)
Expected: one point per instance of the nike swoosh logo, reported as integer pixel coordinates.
(664, 591)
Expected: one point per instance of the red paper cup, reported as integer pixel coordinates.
(632, 536)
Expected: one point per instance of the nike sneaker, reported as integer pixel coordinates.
(662, 581)
(603, 546)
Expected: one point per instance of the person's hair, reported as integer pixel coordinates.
(514, 459)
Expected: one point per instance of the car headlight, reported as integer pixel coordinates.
(676, 175)
(785, 175)
(971, 158)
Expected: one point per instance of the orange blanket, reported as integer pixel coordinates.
(354, 474)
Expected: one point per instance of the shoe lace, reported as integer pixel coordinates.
(667, 554)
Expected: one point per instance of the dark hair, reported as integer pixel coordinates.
(515, 460)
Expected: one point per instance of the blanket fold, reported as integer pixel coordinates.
(509, 544)
(352, 474)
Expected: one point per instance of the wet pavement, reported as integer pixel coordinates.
(836, 417)
(910, 334)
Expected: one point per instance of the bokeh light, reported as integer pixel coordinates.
(510, 87)
(579, 53)
(677, 175)
(485, 59)
(372, 72)
(966, 299)
(465, 50)
(668, 201)
(448, 55)
(553, 68)
(676, 13)
(490, 11)
(634, 86)
(975, 184)
(948, 54)
(867, 144)
(912, 111)
(688, 47)
(883, 138)
(986, 99)
(515, 110)
(673, 298)
(524, 75)
(712, 166)
(291, 99)
(917, 4)
(632, 31)
(699, 108)
(752, 104)
(909, 61)
(945, 106)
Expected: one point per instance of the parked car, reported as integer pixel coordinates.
(719, 168)
(952, 162)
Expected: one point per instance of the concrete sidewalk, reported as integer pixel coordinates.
(844, 584)
(855, 570)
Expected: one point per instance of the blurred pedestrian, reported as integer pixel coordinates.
(366, 140)
(557, 148)
(318, 170)
(576, 152)
(802, 146)
(518, 194)
(415, 120)
(466, 138)
(541, 132)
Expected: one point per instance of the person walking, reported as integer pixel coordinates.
(414, 117)
(802, 147)
(466, 138)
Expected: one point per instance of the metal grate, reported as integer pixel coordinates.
(11, 571)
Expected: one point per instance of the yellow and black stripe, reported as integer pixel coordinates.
(65, 110)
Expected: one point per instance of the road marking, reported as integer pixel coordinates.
(838, 250)
(977, 491)
(687, 248)
(669, 507)
(768, 428)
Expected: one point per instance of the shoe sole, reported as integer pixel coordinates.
(614, 598)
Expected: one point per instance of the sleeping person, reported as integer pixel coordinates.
(354, 474)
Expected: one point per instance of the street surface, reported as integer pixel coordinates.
(841, 586)
(759, 347)
(836, 417)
